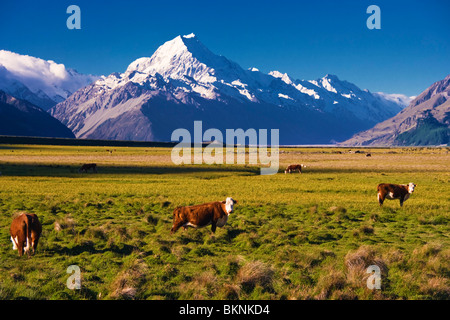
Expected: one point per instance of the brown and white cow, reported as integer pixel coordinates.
(394, 191)
(198, 216)
(25, 232)
(87, 166)
(294, 167)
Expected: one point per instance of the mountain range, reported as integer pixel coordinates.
(21, 118)
(184, 81)
(41, 82)
(426, 121)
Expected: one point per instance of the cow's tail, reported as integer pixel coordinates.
(28, 234)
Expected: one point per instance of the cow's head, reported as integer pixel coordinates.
(229, 203)
(411, 187)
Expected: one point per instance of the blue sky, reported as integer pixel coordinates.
(306, 39)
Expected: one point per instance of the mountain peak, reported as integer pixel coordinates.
(331, 77)
(283, 76)
(181, 44)
(184, 56)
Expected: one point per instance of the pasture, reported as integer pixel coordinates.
(292, 236)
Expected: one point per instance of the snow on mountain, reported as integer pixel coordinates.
(44, 83)
(183, 71)
(425, 121)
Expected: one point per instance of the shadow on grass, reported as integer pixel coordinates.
(89, 246)
(71, 171)
(49, 170)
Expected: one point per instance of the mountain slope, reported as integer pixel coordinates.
(426, 121)
(184, 81)
(43, 83)
(21, 118)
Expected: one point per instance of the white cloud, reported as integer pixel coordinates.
(54, 79)
(397, 98)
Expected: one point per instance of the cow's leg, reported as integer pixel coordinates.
(20, 246)
(177, 226)
(14, 243)
(380, 199)
(213, 228)
(402, 199)
(34, 244)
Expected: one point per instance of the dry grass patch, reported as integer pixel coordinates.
(334, 280)
(357, 262)
(67, 223)
(437, 288)
(255, 273)
(202, 287)
(128, 283)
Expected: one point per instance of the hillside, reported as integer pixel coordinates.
(21, 118)
(426, 121)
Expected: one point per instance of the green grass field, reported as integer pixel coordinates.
(309, 236)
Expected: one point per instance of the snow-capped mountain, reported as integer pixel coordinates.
(43, 83)
(184, 81)
(426, 121)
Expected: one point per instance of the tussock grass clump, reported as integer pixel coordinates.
(437, 287)
(255, 273)
(433, 261)
(129, 282)
(358, 261)
(96, 233)
(202, 287)
(366, 229)
(428, 250)
(67, 223)
(337, 209)
(333, 280)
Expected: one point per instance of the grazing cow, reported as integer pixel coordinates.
(294, 167)
(202, 215)
(368, 155)
(87, 166)
(25, 232)
(395, 191)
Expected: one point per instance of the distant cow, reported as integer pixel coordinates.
(87, 166)
(25, 232)
(294, 167)
(202, 215)
(395, 191)
(368, 155)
